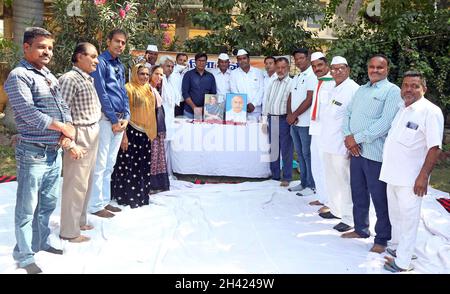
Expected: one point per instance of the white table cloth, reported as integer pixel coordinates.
(220, 150)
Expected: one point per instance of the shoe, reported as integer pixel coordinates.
(341, 227)
(299, 187)
(328, 215)
(352, 235)
(393, 252)
(104, 213)
(306, 192)
(377, 248)
(390, 266)
(112, 208)
(79, 239)
(53, 250)
(284, 184)
(86, 227)
(32, 269)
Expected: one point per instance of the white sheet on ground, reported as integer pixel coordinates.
(252, 227)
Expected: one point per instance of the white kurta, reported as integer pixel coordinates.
(320, 96)
(250, 83)
(336, 161)
(171, 96)
(222, 81)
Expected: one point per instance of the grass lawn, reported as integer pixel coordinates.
(440, 178)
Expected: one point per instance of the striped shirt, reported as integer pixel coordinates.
(77, 89)
(36, 101)
(275, 100)
(369, 116)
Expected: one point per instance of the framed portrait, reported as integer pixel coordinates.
(236, 107)
(214, 108)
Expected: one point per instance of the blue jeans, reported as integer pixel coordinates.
(108, 147)
(364, 174)
(302, 143)
(38, 189)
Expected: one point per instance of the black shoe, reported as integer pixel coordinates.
(54, 250)
(328, 215)
(32, 269)
(341, 227)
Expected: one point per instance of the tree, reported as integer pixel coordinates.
(264, 27)
(90, 21)
(414, 34)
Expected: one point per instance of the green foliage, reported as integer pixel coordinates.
(265, 27)
(9, 52)
(142, 19)
(412, 33)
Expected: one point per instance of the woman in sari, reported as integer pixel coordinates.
(130, 182)
(159, 179)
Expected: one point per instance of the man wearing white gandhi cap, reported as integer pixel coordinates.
(222, 75)
(151, 55)
(336, 159)
(249, 80)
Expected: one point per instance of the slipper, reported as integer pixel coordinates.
(393, 252)
(393, 268)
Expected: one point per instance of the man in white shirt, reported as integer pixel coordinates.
(298, 108)
(179, 70)
(270, 74)
(249, 80)
(151, 55)
(171, 95)
(222, 74)
(275, 108)
(410, 152)
(335, 155)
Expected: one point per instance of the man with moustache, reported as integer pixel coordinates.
(222, 74)
(411, 150)
(298, 117)
(109, 81)
(77, 88)
(42, 117)
(335, 156)
(249, 80)
(367, 122)
(151, 55)
(275, 108)
(324, 85)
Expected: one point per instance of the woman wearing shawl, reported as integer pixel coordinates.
(130, 184)
(159, 179)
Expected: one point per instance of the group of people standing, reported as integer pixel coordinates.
(91, 113)
(354, 143)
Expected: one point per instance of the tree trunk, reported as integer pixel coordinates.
(26, 13)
